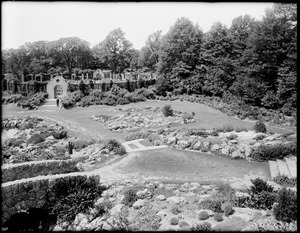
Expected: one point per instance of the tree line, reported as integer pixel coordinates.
(253, 60)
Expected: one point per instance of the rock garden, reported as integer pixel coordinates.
(136, 119)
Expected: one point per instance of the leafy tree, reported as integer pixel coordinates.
(70, 52)
(149, 54)
(180, 51)
(115, 51)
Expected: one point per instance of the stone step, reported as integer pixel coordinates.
(283, 168)
(274, 169)
(292, 167)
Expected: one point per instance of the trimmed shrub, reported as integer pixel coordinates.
(167, 110)
(175, 209)
(203, 215)
(174, 221)
(183, 224)
(218, 217)
(206, 226)
(286, 208)
(260, 127)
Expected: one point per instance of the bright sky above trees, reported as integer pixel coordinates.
(92, 21)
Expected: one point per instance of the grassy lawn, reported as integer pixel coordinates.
(78, 118)
(187, 165)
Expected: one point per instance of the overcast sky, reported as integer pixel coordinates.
(92, 21)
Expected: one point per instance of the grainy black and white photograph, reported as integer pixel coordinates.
(149, 116)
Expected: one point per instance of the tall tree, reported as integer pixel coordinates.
(149, 54)
(70, 52)
(180, 51)
(115, 51)
(217, 56)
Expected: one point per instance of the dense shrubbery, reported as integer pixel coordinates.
(59, 134)
(285, 181)
(74, 195)
(277, 151)
(34, 101)
(7, 99)
(115, 146)
(115, 96)
(286, 206)
(260, 127)
(129, 196)
(262, 196)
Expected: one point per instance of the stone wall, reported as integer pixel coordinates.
(11, 172)
(33, 192)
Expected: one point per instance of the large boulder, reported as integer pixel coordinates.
(119, 209)
(227, 150)
(139, 204)
(197, 145)
(172, 140)
(183, 144)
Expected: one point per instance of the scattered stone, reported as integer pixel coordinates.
(176, 200)
(138, 204)
(160, 198)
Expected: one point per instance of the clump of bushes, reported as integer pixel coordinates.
(130, 197)
(167, 110)
(285, 181)
(59, 134)
(218, 217)
(7, 99)
(206, 226)
(115, 146)
(286, 207)
(277, 151)
(260, 127)
(232, 136)
(262, 196)
(203, 215)
(34, 101)
(74, 195)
